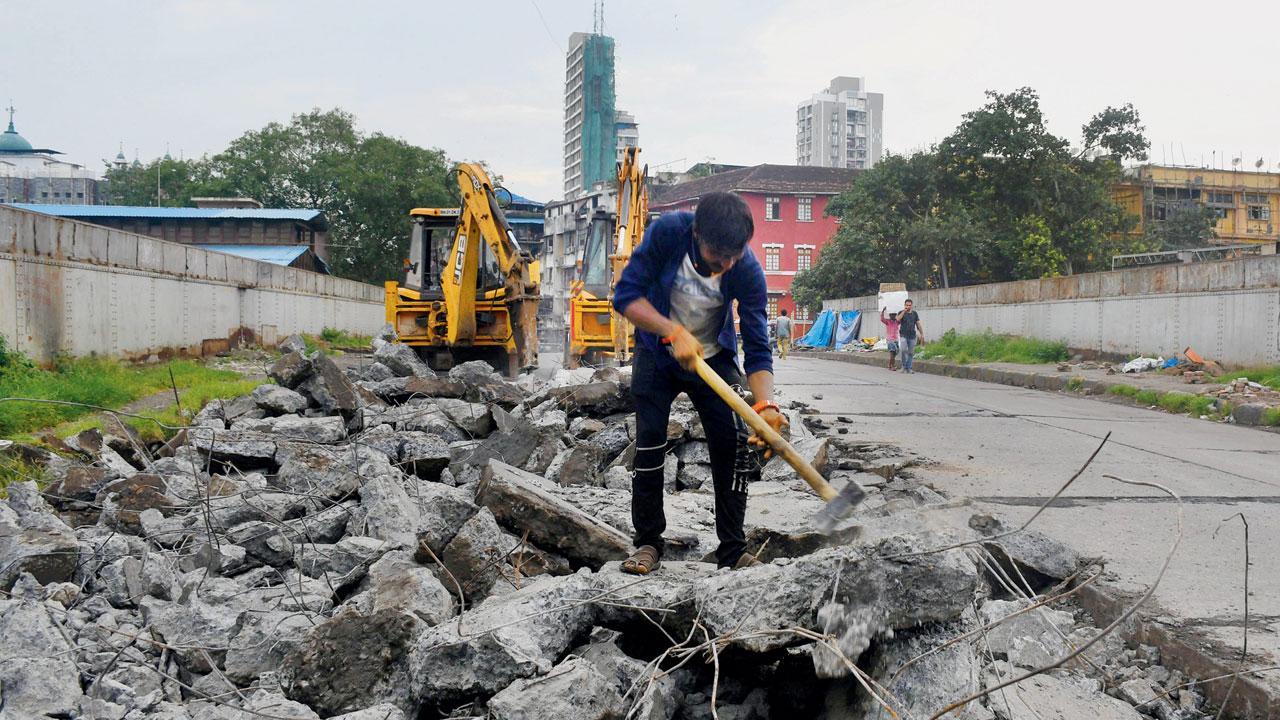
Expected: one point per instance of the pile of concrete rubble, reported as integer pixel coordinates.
(391, 543)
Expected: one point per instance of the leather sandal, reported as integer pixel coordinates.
(643, 561)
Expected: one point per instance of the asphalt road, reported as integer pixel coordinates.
(1013, 448)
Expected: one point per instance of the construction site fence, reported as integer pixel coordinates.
(73, 288)
(1227, 311)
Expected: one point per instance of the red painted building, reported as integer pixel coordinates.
(788, 204)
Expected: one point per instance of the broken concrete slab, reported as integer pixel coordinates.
(597, 399)
(352, 661)
(37, 675)
(1048, 697)
(519, 502)
(574, 690)
(423, 454)
(33, 540)
(396, 582)
(476, 554)
(330, 389)
(515, 635)
(289, 371)
(882, 587)
(475, 419)
(279, 400)
(443, 510)
(261, 641)
(403, 361)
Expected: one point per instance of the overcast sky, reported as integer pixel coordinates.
(485, 80)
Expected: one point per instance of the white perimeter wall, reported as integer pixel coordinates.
(75, 288)
(1228, 311)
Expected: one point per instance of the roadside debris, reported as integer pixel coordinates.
(393, 544)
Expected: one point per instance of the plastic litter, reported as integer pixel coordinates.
(1140, 364)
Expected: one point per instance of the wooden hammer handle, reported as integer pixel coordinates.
(776, 442)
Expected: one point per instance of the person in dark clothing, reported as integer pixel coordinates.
(678, 289)
(911, 333)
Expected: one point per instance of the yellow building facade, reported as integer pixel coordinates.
(1247, 204)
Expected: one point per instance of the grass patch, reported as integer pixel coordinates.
(1074, 384)
(1124, 390)
(1147, 397)
(1176, 402)
(331, 341)
(990, 347)
(100, 382)
(15, 469)
(1201, 405)
(1271, 417)
(1269, 376)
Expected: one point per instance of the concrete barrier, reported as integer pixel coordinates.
(69, 287)
(1228, 311)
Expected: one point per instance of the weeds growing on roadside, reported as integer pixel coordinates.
(101, 382)
(1269, 376)
(1125, 390)
(990, 347)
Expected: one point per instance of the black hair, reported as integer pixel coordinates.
(723, 222)
(784, 311)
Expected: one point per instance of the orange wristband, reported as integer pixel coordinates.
(764, 405)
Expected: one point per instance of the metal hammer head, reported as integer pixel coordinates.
(839, 507)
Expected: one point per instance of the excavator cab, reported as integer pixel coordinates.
(470, 291)
(596, 332)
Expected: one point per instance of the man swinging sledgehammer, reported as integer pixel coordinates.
(678, 289)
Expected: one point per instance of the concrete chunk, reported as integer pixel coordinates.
(518, 502)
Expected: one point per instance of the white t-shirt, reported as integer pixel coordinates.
(695, 303)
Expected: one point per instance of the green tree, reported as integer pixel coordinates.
(177, 181)
(999, 198)
(1185, 226)
(385, 179)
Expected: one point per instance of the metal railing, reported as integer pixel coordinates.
(1169, 257)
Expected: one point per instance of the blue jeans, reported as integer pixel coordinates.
(907, 345)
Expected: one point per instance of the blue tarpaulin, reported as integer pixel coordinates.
(819, 336)
(848, 327)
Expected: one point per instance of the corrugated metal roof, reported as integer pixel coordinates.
(799, 179)
(173, 213)
(274, 254)
(525, 221)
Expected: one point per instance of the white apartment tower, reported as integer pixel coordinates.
(842, 126)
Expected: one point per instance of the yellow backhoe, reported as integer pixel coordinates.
(470, 291)
(597, 333)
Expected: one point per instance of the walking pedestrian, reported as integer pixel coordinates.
(890, 335)
(910, 334)
(784, 334)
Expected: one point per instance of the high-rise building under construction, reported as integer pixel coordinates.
(590, 130)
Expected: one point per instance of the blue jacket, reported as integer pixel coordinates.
(652, 269)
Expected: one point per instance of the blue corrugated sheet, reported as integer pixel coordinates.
(274, 254)
(525, 221)
(171, 213)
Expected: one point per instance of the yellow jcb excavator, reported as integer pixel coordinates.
(470, 291)
(596, 332)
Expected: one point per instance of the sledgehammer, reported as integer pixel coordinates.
(839, 504)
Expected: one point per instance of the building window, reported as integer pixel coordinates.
(804, 258)
(804, 209)
(772, 307)
(44, 194)
(773, 208)
(1219, 198)
(771, 255)
(1221, 213)
(802, 314)
(1259, 212)
(80, 196)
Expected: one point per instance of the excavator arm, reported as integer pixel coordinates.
(482, 225)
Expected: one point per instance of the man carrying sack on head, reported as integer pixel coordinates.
(678, 289)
